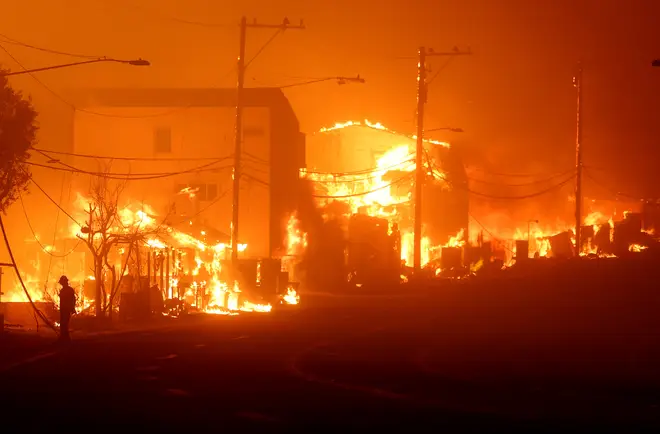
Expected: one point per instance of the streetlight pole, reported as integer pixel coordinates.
(236, 184)
(419, 160)
(577, 81)
(136, 62)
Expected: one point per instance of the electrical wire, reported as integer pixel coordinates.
(13, 41)
(510, 175)
(257, 159)
(488, 196)
(216, 200)
(346, 196)
(608, 189)
(263, 47)
(526, 184)
(128, 176)
(365, 171)
(39, 313)
(444, 66)
(339, 180)
(492, 236)
(55, 203)
(57, 220)
(91, 112)
(106, 157)
(259, 181)
(50, 158)
(168, 17)
(36, 238)
(527, 196)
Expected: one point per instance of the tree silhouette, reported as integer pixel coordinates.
(18, 133)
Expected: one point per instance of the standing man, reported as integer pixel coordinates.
(67, 307)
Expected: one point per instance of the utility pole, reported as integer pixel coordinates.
(239, 121)
(420, 173)
(419, 158)
(577, 81)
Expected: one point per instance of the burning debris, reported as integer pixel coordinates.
(367, 215)
(134, 262)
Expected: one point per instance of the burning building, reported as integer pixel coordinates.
(362, 174)
(150, 173)
(191, 132)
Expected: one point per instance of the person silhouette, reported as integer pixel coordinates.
(67, 307)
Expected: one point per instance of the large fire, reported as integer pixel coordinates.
(385, 191)
(195, 271)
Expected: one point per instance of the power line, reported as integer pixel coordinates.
(173, 18)
(488, 196)
(365, 171)
(95, 113)
(55, 203)
(106, 157)
(444, 65)
(526, 184)
(129, 176)
(346, 196)
(216, 200)
(263, 47)
(510, 175)
(608, 189)
(13, 41)
(36, 238)
(492, 236)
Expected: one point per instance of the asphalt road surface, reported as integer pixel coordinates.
(383, 363)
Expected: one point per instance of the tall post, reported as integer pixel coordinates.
(238, 141)
(419, 158)
(578, 163)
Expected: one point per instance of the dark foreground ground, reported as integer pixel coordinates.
(419, 362)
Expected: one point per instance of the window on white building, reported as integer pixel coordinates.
(163, 140)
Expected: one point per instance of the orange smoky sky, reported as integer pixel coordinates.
(514, 97)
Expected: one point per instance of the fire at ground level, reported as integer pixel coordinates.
(351, 229)
(195, 275)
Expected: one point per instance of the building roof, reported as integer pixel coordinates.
(179, 97)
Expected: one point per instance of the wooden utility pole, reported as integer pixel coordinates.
(420, 173)
(419, 158)
(285, 25)
(577, 81)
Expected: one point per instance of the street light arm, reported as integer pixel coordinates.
(453, 130)
(137, 62)
(340, 80)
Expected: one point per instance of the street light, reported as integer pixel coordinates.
(136, 62)
(453, 130)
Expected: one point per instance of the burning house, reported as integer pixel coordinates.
(191, 132)
(147, 190)
(362, 175)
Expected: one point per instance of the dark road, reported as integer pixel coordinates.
(384, 363)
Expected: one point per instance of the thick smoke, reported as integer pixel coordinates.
(323, 261)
